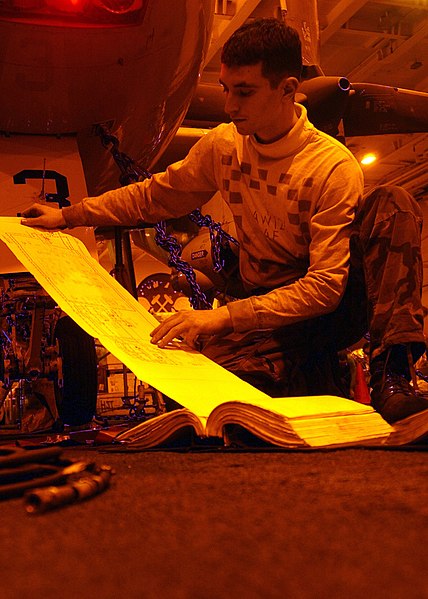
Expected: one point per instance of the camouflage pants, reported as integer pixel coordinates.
(383, 297)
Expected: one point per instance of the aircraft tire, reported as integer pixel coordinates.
(77, 399)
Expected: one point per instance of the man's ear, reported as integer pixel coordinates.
(289, 86)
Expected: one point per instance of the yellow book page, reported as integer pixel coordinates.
(312, 406)
(101, 306)
(301, 407)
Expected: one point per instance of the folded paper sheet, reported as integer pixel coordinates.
(101, 306)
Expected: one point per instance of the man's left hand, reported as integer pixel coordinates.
(188, 325)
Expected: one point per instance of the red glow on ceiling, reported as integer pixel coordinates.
(76, 12)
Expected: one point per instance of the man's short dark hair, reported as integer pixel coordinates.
(269, 41)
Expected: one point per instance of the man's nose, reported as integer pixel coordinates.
(231, 105)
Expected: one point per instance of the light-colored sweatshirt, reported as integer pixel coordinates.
(293, 202)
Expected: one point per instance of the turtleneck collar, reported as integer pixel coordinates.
(290, 142)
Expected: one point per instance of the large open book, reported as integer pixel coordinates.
(215, 403)
(289, 422)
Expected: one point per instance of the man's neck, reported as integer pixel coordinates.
(279, 136)
(273, 139)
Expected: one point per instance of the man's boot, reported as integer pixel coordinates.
(392, 394)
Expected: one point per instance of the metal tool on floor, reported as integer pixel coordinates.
(46, 480)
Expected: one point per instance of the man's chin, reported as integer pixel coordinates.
(242, 127)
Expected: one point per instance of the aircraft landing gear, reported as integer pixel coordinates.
(77, 396)
(48, 364)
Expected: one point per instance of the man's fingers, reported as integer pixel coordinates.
(33, 211)
(30, 216)
(163, 335)
(30, 222)
(162, 329)
(170, 329)
(43, 217)
(185, 325)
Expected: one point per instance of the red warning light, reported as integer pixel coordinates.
(72, 13)
(117, 6)
(52, 7)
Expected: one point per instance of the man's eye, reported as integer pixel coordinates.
(245, 93)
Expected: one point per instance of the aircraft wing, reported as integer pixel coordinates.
(377, 109)
(363, 108)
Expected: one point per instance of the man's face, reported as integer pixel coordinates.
(251, 103)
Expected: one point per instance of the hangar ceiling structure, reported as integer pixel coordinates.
(375, 41)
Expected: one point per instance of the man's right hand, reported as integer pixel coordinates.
(43, 217)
